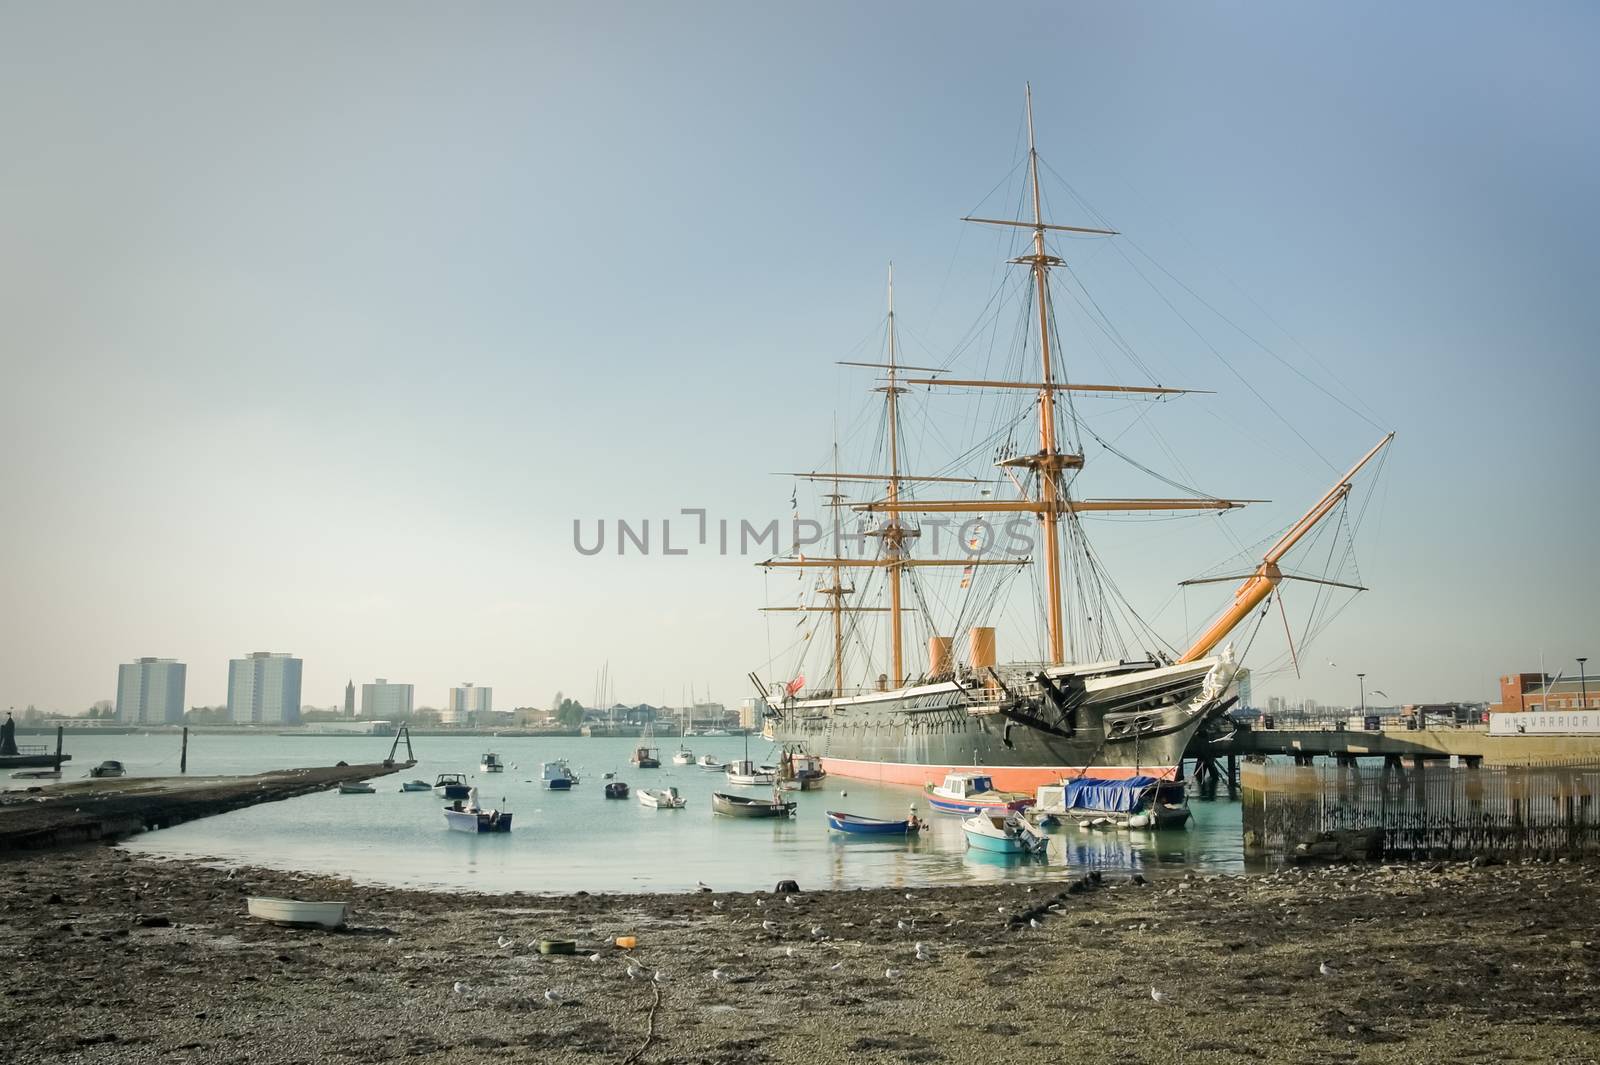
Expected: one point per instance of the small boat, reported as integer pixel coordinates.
(298, 913)
(36, 774)
(715, 732)
(973, 793)
(109, 768)
(710, 764)
(452, 786)
(683, 756)
(468, 816)
(556, 776)
(661, 798)
(357, 787)
(616, 790)
(855, 824)
(745, 774)
(646, 757)
(800, 771)
(416, 785)
(1132, 802)
(491, 763)
(745, 806)
(1004, 833)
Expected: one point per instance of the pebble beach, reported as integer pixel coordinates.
(113, 958)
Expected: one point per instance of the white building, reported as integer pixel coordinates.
(264, 689)
(382, 699)
(150, 692)
(467, 699)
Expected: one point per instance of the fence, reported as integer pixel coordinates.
(1505, 810)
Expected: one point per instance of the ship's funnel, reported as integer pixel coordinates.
(982, 651)
(941, 656)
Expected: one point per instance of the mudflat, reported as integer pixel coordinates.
(110, 957)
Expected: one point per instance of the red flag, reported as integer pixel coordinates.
(796, 684)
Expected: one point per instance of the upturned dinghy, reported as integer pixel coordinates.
(298, 913)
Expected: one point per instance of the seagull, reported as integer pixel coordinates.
(634, 972)
(1160, 998)
(552, 996)
(816, 931)
(660, 976)
(1326, 970)
(594, 957)
(459, 988)
(891, 974)
(718, 975)
(836, 967)
(768, 926)
(761, 902)
(910, 897)
(920, 946)
(1033, 922)
(702, 885)
(999, 909)
(901, 925)
(506, 941)
(716, 904)
(790, 899)
(788, 952)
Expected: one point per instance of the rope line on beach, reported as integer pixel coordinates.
(650, 1030)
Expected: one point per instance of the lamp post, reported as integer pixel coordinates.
(1362, 677)
(1583, 685)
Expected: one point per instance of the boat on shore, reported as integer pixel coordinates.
(357, 787)
(1134, 802)
(745, 806)
(973, 793)
(468, 816)
(857, 825)
(661, 798)
(491, 763)
(297, 913)
(1004, 834)
(452, 785)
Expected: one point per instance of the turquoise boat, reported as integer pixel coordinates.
(1004, 834)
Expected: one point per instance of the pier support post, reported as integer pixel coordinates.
(183, 755)
(60, 732)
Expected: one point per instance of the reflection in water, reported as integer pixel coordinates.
(564, 841)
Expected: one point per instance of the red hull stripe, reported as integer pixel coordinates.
(1024, 778)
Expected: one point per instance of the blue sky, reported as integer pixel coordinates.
(320, 324)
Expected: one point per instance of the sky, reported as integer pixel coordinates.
(321, 324)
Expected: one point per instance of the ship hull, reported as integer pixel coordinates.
(1111, 721)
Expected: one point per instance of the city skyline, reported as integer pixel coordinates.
(635, 253)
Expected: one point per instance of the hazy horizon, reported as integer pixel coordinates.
(321, 326)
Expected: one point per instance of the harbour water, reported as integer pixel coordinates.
(576, 840)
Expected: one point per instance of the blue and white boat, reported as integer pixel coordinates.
(452, 785)
(1004, 834)
(1131, 802)
(974, 793)
(468, 816)
(855, 824)
(556, 776)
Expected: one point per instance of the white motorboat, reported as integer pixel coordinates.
(468, 816)
(491, 763)
(746, 774)
(710, 764)
(556, 775)
(683, 756)
(299, 913)
(358, 787)
(660, 798)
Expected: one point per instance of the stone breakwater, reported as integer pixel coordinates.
(91, 810)
(119, 959)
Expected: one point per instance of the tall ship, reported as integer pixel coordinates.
(1083, 705)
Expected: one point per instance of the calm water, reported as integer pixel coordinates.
(578, 839)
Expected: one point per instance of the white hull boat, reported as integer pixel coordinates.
(298, 913)
(661, 798)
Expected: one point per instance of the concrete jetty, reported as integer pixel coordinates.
(95, 810)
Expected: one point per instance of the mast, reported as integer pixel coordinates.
(836, 593)
(894, 539)
(1048, 475)
(1266, 577)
